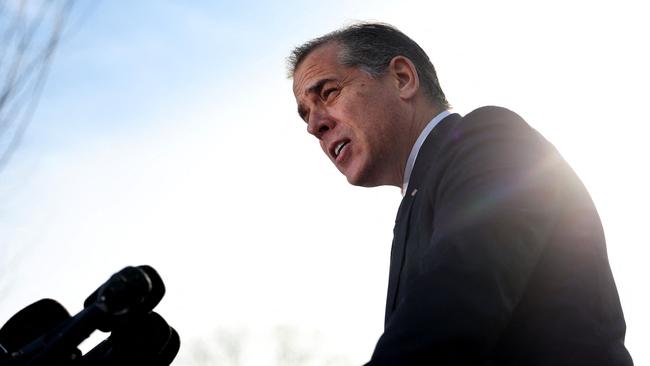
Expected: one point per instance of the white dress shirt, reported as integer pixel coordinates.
(418, 144)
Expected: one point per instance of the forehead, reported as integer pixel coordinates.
(322, 63)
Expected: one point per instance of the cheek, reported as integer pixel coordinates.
(367, 109)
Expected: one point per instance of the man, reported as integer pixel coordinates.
(498, 254)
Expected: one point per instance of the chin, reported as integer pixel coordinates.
(355, 180)
(366, 179)
(363, 175)
(361, 180)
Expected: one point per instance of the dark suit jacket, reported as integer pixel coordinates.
(499, 255)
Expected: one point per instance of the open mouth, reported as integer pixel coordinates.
(339, 147)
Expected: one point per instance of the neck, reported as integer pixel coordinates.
(424, 117)
(420, 118)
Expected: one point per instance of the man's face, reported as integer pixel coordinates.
(354, 116)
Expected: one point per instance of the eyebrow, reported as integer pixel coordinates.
(314, 89)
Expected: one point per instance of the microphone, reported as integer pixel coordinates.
(131, 291)
(146, 340)
(29, 324)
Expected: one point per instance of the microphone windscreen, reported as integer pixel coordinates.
(32, 322)
(146, 339)
(157, 289)
(169, 352)
(129, 292)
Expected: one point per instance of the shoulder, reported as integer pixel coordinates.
(487, 140)
(487, 136)
(493, 116)
(493, 128)
(480, 126)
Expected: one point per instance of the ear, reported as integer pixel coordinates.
(405, 76)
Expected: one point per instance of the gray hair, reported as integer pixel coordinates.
(371, 47)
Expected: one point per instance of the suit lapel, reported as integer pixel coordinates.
(400, 234)
(430, 150)
(427, 152)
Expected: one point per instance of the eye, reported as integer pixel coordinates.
(327, 93)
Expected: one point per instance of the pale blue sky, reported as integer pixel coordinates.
(167, 135)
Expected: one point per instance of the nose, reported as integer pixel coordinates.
(319, 124)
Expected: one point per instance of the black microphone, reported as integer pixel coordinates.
(133, 290)
(29, 324)
(145, 340)
(144, 291)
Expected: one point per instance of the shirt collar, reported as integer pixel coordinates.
(418, 144)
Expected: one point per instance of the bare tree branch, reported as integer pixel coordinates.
(27, 65)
